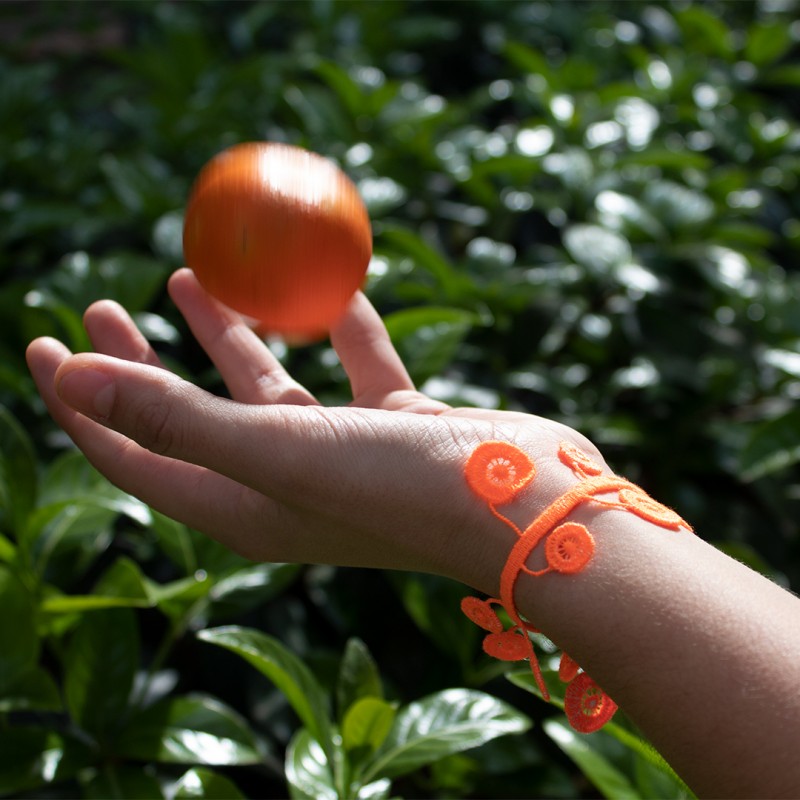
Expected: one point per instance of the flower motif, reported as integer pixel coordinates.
(482, 614)
(567, 668)
(640, 503)
(508, 646)
(587, 706)
(496, 471)
(569, 548)
(577, 460)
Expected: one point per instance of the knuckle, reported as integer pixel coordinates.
(155, 428)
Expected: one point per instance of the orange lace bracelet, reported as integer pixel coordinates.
(497, 472)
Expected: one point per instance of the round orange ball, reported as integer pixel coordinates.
(279, 234)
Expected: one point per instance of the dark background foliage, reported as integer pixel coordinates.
(586, 210)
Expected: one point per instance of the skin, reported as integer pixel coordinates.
(698, 650)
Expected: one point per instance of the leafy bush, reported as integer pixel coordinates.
(585, 211)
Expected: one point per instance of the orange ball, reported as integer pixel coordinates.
(279, 234)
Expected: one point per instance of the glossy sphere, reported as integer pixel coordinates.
(279, 234)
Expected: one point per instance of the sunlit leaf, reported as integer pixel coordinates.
(308, 772)
(427, 338)
(612, 783)
(203, 783)
(367, 723)
(292, 677)
(439, 725)
(195, 729)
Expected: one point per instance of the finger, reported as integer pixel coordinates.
(287, 452)
(198, 497)
(378, 377)
(250, 371)
(114, 333)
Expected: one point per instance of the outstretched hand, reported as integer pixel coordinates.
(270, 472)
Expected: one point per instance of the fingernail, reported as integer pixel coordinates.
(89, 391)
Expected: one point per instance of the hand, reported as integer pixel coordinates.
(270, 472)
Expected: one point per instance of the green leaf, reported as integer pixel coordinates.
(195, 729)
(366, 723)
(32, 757)
(308, 772)
(424, 255)
(358, 676)
(175, 541)
(121, 782)
(251, 585)
(101, 661)
(17, 473)
(33, 691)
(291, 676)
(439, 725)
(606, 778)
(596, 248)
(77, 603)
(767, 42)
(424, 597)
(771, 447)
(206, 784)
(20, 643)
(428, 338)
(641, 748)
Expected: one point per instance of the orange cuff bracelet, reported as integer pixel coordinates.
(497, 472)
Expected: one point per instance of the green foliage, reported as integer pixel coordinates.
(587, 211)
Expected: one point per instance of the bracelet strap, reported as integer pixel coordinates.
(497, 472)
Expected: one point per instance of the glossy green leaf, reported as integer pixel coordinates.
(121, 782)
(206, 784)
(195, 729)
(611, 783)
(18, 480)
(359, 676)
(250, 586)
(308, 772)
(642, 749)
(34, 757)
(35, 690)
(428, 338)
(291, 676)
(100, 664)
(598, 249)
(367, 723)
(772, 446)
(19, 650)
(439, 725)
(424, 255)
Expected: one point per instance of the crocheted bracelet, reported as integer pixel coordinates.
(497, 472)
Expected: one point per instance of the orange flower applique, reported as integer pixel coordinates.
(587, 706)
(577, 460)
(640, 503)
(567, 668)
(569, 548)
(482, 614)
(496, 471)
(508, 646)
